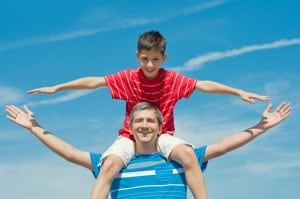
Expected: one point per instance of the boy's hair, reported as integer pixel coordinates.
(146, 106)
(152, 40)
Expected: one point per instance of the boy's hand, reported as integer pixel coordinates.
(46, 90)
(251, 97)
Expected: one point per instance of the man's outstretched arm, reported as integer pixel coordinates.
(26, 119)
(269, 119)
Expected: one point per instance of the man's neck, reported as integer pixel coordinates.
(145, 148)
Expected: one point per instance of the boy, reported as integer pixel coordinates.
(149, 82)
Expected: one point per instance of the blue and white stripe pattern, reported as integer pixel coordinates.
(150, 176)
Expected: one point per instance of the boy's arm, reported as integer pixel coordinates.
(214, 87)
(81, 83)
(234, 141)
(27, 120)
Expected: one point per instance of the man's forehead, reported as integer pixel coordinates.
(144, 114)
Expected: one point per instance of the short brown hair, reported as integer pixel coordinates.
(152, 40)
(146, 106)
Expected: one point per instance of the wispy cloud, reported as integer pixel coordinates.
(51, 38)
(204, 6)
(198, 62)
(115, 24)
(68, 97)
(282, 168)
(60, 174)
(10, 95)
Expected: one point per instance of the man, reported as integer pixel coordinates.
(145, 126)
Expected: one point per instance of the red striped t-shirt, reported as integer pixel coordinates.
(164, 91)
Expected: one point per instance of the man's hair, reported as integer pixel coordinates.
(152, 41)
(146, 106)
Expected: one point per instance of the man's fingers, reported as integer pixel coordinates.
(269, 108)
(28, 111)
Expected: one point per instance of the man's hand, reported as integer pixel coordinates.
(270, 119)
(24, 118)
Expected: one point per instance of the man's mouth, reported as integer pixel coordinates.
(144, 132)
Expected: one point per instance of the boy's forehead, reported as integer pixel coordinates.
(150, 53)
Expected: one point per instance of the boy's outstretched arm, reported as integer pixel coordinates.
(81, 83)
(214, 87)
(269, 119)
(26, 119)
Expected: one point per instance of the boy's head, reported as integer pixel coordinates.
(151, 53)
(152, 41)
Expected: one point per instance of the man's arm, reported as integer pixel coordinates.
(234, 141)
(214, 87)
(81, 83)
(26, 119)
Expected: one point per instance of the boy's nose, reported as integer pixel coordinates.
(150, 64)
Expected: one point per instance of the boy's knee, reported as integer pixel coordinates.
(111, 165)
(185, 155)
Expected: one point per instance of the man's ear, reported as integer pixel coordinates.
(160, 130)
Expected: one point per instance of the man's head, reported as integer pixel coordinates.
(151, 53)
(145, 123)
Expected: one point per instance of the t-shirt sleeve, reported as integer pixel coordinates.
(95, 159)
(118, 84)
(200, 153)
(184, 86)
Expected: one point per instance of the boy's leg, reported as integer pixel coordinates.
(180, 151)
(109, 169)
(184, 155)
(113, 160)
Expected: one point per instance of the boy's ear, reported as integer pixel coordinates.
(137, 54)
(165, 56)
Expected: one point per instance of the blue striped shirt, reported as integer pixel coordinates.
(149, 176)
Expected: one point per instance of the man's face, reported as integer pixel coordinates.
(145, 127)
(150, 62)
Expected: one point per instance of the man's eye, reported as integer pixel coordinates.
(151, 121)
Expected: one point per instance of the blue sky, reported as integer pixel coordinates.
(252, 45)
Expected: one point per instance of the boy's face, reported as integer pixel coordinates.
(145, 127)
(150, 62)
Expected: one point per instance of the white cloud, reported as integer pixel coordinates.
(114, 24)
(203, 6)
(198, 62)
(275, 169)
(10, 95)
(45, 178)
(72, 95)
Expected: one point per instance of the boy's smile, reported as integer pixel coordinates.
(150, 62)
